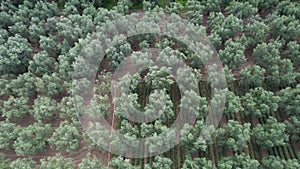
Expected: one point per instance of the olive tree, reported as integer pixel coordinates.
(238, 161)
(67, 109)
(270, 134)
(91, 162)
(263, 5)
(241, 9)
(121, 163)
(226, 27)
(15, 107)
(197, 163)
(260, 102)
(44, 10)
(32, 139)
(3, 36)
(288, 8)
(23, 85)
(252, 76)
(267, 55)
(162, 162)
(216, 40)
(233, 54)
(49, 85)
(233, 104)
(19, 28)
(15, 55)
(74, 27)
(5, 20)
(293, 128)
(233, 135)
(212, 5)
(293, 52)
(44, 108)
(36, 30)
(192, 138)
(66, 137)
(194, 11)
(42, 64)
(287, 75)
(117, 53)
(160, 105)
(123, 6)
(57, 161)
(285, 27)
(159, 78)
(50, 45)
(256, 32)
(23, 163)
(7, 134)
(289, 101)
(4, 162)
(279, 163)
